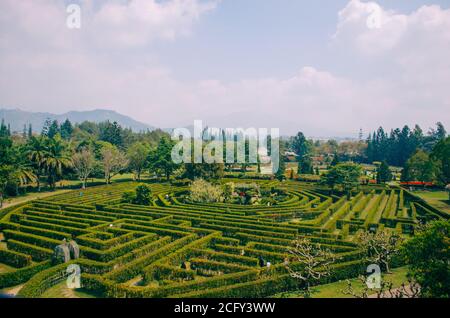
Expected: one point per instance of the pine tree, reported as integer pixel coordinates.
(54, 129)
(281, 169)
(30, 131)
(305, 165)
(384, 173)
(66, 129)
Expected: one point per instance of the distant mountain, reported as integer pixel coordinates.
(18, 118)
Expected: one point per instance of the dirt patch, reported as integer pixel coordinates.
(12, 292)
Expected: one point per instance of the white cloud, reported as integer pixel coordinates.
(51, 68)
(140, 21)
(114, 24)
(410, 51)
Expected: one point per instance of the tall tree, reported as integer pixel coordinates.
(112, 133)
(137, 156)
(280, 173)
(53, 129)
(114, 161)
(384, 173)
(441, 155)
(314, 263)
(305, 165)
(344, 175)
(36, 151)
(300, 145)
(66, 129)
(428, 257)
(380, 247)
(160, 159)
(30, 131)
(56, 157)
(83, 164)
(419, 168)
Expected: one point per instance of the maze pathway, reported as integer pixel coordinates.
(174, 249)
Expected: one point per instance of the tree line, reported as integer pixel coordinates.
(423, 156)
(70, 152)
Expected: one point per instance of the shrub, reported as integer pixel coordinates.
(202, 191)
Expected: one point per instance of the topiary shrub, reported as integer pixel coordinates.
(142, 195)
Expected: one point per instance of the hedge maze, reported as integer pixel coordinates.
(175, 249)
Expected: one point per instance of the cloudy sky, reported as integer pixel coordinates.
(325, 67)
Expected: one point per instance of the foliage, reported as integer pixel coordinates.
(401, 144)
(344, 175)
(138, 158)
(114, 161)
(384, 174)
(111, 132)
(441, 156)
(305, 165)
(419, 168)
(202, 191)
(143, 195)
(83, 164)
(315, 263)
(300, 145)
(55, 158)
(207, 171)
(380, 247)
(228, 190)
(428, 257)
(160, 159)
(280, 173)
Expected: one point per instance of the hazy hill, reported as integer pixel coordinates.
(18, 118)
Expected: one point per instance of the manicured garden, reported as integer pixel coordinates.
(177, 248)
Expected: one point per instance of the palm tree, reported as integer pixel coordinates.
(55, 159)
(19, 174)
(36, 152)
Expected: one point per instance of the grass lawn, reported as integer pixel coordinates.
(5, 268)
(61, 291)
(438, 199)
(30, 196)
(334, 290)
(11, 291)
(64, 183)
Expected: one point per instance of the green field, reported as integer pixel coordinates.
(335, 290)
(177, 249)
(61, 187)
(438, 199)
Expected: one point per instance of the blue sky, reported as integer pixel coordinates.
(260, 63)
(254, 38)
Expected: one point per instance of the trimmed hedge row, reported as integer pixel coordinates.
(22, 275)
(14, 259)
(37, 253)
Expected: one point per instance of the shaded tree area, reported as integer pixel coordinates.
(428, 257)
(384, 174)
(344, 177)
(400, 144)
(64, 151)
